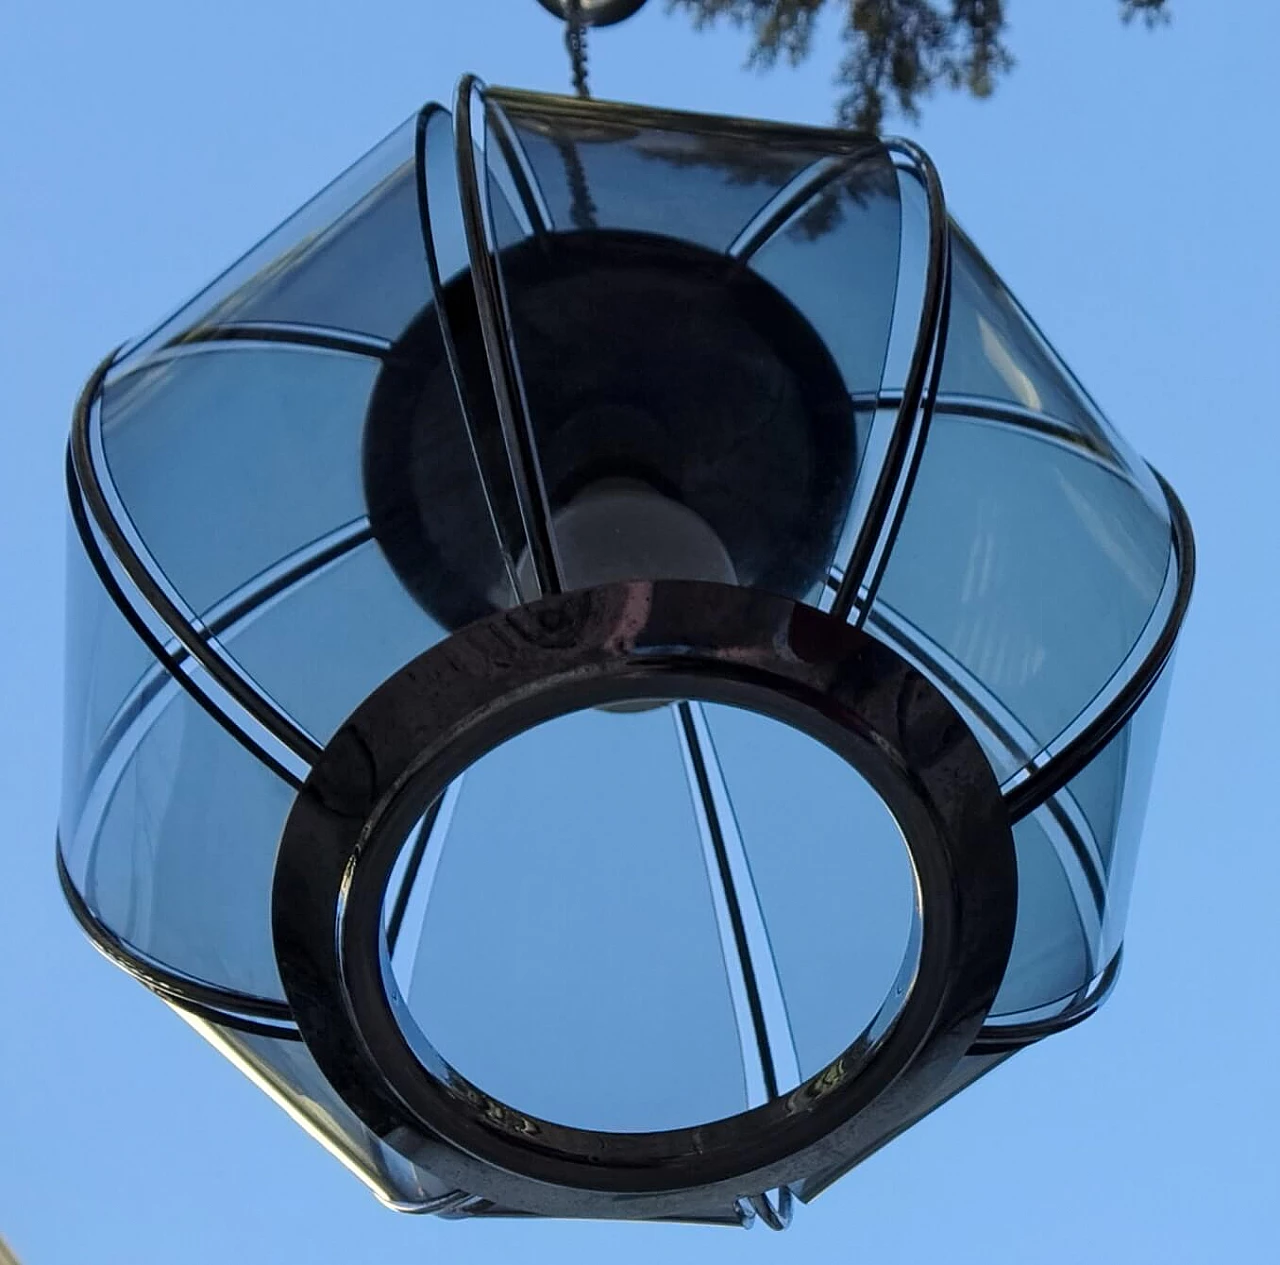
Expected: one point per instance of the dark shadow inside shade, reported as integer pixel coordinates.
(643, 360)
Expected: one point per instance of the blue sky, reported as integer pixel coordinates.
(1121, 181)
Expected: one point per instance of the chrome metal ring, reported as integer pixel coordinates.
(653, 640)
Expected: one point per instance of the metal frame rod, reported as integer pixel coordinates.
(906, 443)
(495, 325)
(86, 478)
(764, 1028)
(488, 478)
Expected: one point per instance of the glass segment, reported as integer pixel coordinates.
(647, 172)
(835, 883)
(1076, 858)
(175, 846)
(241, 451)
(105, 659)
(700, 319)
(230, 458)
(349, 260)
(1026, 568)
(288, 1073)
(1033, 570)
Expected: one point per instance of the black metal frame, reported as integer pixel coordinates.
(94, 519)
(674, 640)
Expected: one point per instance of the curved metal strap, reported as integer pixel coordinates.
(495, 325)
(237, 687)
(888, 501)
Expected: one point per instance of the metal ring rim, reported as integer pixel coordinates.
(326, 931)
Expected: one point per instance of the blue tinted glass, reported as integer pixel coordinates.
(688, 364)
(831, 873)
(1030, 565)
(649, 174)
(569, 961)
(992, 351)
(365, 273)
(332, 637)
(350, 259)
(1113, 793)
(177, 847)
(1053, 952)
(440, 190)
(1076, 858)
(995, 351)
(105, 660)
(229, 459)
(836, 259)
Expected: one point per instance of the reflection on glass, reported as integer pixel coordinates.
(699, 188)
(1028, 563)
(685, 341)
(286, 1071)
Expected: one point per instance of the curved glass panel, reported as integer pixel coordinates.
(331, 638)
(1076, 857)
(229, 458)
(1033, 570)
(995, 351)
(700, 314)
(175, 848)
(1056, 937)
(651, 172)
(105, 660)
(255, 473)
(350, 259)
(1026, 569)
(1112, 793)
(288, 1073)
(835, 883)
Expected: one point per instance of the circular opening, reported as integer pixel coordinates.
(633, 921)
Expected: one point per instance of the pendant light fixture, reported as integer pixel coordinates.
(611, 667)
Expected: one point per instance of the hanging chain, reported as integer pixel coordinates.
(575, 40)
(582, 206)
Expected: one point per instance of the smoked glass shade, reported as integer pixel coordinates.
(536, 347)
